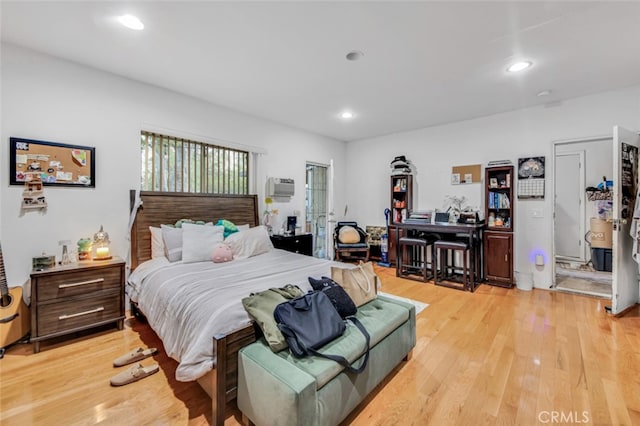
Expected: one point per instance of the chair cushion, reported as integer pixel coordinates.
(455, 245)
(353, 246)
(348, 235)
(413, 241)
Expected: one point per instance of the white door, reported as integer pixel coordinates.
(569, 208)
(625, 171)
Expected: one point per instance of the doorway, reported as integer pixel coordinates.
(582, 264)
(316, 207)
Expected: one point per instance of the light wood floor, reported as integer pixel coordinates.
(496, 356)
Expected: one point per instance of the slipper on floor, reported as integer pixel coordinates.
(137, 354)
(134, 373)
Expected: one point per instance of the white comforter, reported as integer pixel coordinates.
(188, 304)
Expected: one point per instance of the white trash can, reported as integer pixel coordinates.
(524, 280)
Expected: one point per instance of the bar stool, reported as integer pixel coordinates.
(449, 274)
(412, 261)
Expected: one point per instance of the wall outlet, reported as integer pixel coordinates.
(537, 213)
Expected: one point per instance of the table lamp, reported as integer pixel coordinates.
(101, 245)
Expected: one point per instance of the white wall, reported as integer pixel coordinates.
(510, 135)
(49, 99)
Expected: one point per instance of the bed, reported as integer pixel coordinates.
(205, 332)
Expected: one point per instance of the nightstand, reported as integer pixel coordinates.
(66, 299)
(302, 244)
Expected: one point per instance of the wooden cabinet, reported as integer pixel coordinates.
(499, 216)
(401, 197)
(302, 244)
(401, 206)
(392, 244)
(498, 257)
(67, 299)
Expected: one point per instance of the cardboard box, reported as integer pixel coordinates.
(601, 233)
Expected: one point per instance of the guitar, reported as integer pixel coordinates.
(14, 313)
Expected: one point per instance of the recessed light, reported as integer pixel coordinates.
(519, 66)
(354, 55)
(346, 115)
(131, 22)
(544, 93)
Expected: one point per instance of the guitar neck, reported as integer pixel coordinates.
(4, 288)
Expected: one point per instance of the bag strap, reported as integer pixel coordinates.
(368, 289)
(342, 360)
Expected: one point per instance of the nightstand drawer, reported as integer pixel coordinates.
(302, 244)
(75, 283)
(71, 314)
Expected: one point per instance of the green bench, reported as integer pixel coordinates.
(279, 389)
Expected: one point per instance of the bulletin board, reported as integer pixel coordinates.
(57, 164)
(466, 174)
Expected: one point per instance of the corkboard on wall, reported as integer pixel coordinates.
(56, 163)
(466, 174)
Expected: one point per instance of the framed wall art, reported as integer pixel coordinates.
(531, 178)
(56, 164)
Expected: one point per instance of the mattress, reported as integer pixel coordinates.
(187, 304)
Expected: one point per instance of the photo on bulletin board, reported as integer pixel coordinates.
(57, 164)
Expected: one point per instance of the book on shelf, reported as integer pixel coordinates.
(419, 217)
(499, 200)
(420, 214)
(414, 221)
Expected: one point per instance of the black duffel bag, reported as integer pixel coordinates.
(311, 321)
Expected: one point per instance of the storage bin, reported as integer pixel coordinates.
(602, 259)
(524, 280)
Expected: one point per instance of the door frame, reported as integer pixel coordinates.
(328, 197)
(625, 283)
(554, 144)
(581, 156)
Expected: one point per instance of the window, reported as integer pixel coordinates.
(172, 164)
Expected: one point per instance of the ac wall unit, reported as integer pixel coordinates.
(280, 187)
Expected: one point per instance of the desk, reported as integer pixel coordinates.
(473, 231)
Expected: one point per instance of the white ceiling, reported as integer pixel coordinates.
(425, 63)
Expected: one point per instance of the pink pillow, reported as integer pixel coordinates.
(221, 253)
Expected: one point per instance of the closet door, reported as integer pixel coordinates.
(625, 170)
(569, 206)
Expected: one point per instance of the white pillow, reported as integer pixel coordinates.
(242, 227)
(157, 244)
(249, 243)
(172, 238)
(348, 235)
(199, 241)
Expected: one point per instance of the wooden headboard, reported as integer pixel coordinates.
(168, 207)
